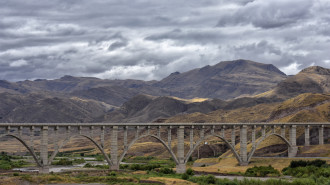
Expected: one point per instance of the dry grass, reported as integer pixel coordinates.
(323, 150)
(193, 100)
(230, 165)
(170, 181)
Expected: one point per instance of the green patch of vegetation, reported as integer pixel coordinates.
(262, 171)
(78, 161)
(166, 171)
(316, 169)
(63, 162)
(89, 165)
(139, 167)
(6, 162)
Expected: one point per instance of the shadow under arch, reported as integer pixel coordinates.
(262, 139)
(80, 135)
(143, 136)
(31, 151)
(207, 137)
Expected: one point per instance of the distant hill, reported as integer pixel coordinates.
(225, 80)
(38, 108)
(313, 79)
(145, 108)
(302, 108)
(227, 87)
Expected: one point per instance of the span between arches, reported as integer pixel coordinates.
(207, 137)
(264, 138)
(148, 135)
(109, 161)
(31, 151)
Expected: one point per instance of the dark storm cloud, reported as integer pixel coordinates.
(149, 39)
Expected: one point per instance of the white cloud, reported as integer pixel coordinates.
(291, 69)
(18, 63)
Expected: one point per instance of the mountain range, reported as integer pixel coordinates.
(226, 86)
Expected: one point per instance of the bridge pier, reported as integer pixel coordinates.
(321, 138)
(292, 152)
(243, 146)
(283, 131)
(181, 167)
(114, 148)
(233, 136)
(307, 140)
(253, 137)
(44, 150)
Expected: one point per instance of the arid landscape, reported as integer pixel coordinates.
(164, 92)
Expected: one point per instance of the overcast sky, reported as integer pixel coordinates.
(149, 39)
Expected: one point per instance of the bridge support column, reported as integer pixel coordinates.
(102, 136)
(283, 131)
(263, 131)
(44, 150)
(191, 137)
(158, 131)
(114, 148)
(181, 167)
(169, 137)
(56, 138)
(125, 138)
(243, 146)
(233, 136)
(32, 137)
(321, 131)
(307, 141)
(222, 132)
(202, 131)
(253, 136)
(293, 138)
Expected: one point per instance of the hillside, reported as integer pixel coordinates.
(313, 79)
(145, 108)
(34, 108)
(60, 100)
(302, 108)
(224, 80)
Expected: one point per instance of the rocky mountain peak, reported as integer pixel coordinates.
(316, 70)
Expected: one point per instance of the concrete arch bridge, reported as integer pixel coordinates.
(124, 135)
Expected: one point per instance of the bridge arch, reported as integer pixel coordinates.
(109, 161)
(31, 151)
(264, 138)
(207, 137)
(153, 136)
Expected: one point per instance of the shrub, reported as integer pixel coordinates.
(262, 171)
(99, 158)
(185, 176)
(166, 170)
(317, 163)
(79, 161)
(88, 165)
(190, 172)
(301, 163)
(5, 166)
(112, 174)
(62, 161)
